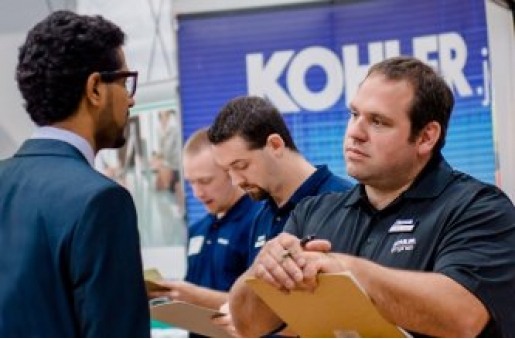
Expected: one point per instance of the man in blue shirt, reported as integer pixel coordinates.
(71, 263)
(252, 142)
(217, 248)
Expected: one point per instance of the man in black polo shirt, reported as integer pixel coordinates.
(433, 248)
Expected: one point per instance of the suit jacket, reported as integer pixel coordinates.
(70, 263)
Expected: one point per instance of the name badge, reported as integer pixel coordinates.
(195, 245)
(402, 226)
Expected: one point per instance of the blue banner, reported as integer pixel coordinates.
(309, 59)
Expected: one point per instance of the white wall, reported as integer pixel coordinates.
(16, 18)
(502, 56)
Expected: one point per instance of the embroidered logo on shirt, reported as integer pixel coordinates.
(260, 241)
(402, 225)
(223, 241)
(404, 245)
(195, 245)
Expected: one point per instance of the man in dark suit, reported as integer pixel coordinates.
(71, 263)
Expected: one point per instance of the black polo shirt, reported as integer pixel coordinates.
(446, 222)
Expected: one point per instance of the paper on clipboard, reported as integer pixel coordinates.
(152, 277)
(337, 307)
(189, 317)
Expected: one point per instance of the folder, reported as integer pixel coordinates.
(189, 317)
(152, 277)
(338, 307)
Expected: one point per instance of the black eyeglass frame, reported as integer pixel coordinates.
(115, 75)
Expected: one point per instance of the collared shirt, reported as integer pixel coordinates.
(217, 249)
(271, 219)
(49, 132)
(446, 222)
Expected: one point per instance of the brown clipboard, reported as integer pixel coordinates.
(338, 307)
(189, 317)
(152, 277)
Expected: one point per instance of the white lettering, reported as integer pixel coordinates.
(423, 47)
(446, 52)
(355, 71)
(330, 64)
(262, 79)
(453, 57)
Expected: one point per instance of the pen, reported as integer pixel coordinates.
(307, 239)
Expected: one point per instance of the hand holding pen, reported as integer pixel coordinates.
(304, 241)
(282, 260)
(310, 243)
(288, 253)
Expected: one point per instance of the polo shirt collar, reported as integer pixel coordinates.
(430, 182)
(308, 188)
(235, 212)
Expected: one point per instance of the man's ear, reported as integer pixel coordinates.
(275, 142)
(95, 88)
(428, 137)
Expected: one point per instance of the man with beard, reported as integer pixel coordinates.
(74, 264)
(253, 144)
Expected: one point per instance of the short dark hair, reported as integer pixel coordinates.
(252, 118)
(432, 100)
(58, 56)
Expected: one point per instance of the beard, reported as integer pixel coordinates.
(111, 137)
(110, 134)
(255, 192)
(119, 140)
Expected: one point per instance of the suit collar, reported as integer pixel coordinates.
(77, 141)
(49, 147)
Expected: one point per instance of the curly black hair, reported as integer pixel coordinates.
(56, 59)
(252, 118)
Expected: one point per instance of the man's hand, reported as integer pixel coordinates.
(225, 321)
(180, 290)
(190, 293)
(286, 264)
(279, 262)
(318, 260)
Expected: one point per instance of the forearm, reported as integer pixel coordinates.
(423, 302)
(205, 297)
(251, 317)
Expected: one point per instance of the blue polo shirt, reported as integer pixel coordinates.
(217, 248)
(270, 220)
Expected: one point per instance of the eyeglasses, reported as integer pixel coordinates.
(131, 79)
